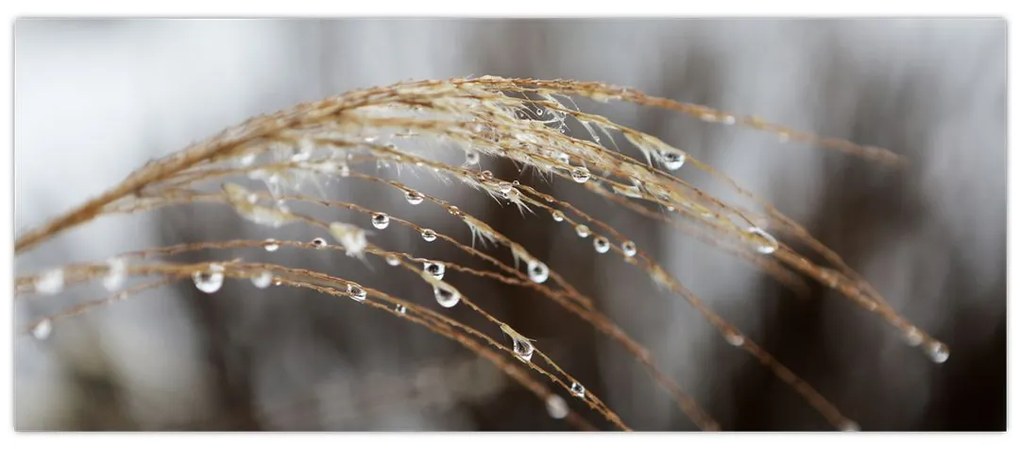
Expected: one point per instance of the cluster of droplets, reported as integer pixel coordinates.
(209, 280)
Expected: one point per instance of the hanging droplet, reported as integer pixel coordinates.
(577, 390)
(262, 280)
(392, 260)
(601, 244)
(428, 235)
(413, 197)
(556, 407)
(318, 243)
(557, 216)
(380, 220)
(504, 187)
(471, 157)
(629, 248)
(116, 272)
(673, 159)
(43, 329)
(913, 336)
(446, 297)
(400, 308)
(523, 349)
(733, 337)
(938, 352)
(50, 282)
(356, 292)
(209, 281)
(271, 245)
(582, 231)
(766, 243)
(437, 269)
(537, 271)
(580, 175)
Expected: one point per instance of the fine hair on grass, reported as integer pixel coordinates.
(270, 170)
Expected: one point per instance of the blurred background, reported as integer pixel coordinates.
(95, 99)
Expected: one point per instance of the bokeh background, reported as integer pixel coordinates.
(95, 99)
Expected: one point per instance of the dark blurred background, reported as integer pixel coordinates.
(95, 99)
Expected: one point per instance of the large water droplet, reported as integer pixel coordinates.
(210, 280)
(629, 248)
(582, 231)
(43, 329)
(413, 197)
(556, 407)
(380, 220)
(356, 292)
(523, 349)
(50, 282)
(580, 174)
(271, 245)
(938, 352)
(116, 272)
(446, 297)
(392, 260)
(537, 271)
(557, 216)
(577, 390)
(262, 280)
(601, 244)
(673, 159)
(765, 242)
(428, 235)
(437, 269)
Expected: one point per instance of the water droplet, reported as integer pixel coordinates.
(428, 235)
(271, 245)
(913, 336)
(523, 349)
(577, 390)
(262, 280)
(849, 426)
(601, 244)
(629, 248)
(42, 329)
(557, 216)
(580, 174)
(401, 309)
(455, 211)
(50, 282)
(766, 243)
(446, 297)
(938, 352)
(437, 269)
(485, 175)
(380, 220)
(318, 243)
(733, 337)
(392, 260)
(471, 157)
(413, 197)
(582, 231)
(356, 292)
(209, 281)
(556, 407)
(673, 159)
(504, 187)
(537, 271)
(513, 195)
(116, 272)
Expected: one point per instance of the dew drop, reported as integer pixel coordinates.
(262, 280)
(523, 349)
(209, 281)
(580, 175)
(116, 272)
(556, 407)
(318, 243)
(601, 244)
(734, 338)
(446, 297)
(428, 235)
(582, 231)
(913, 336)
(356, 292)
(271, 245)
(50, 282)
(766, 244)
(577, 390)
(43, 329)
(629, 248)
(471, 157)
(537, 271)
(436, 269)
(673, 159)
(400, 308)
(504, 187)
(413, 197)
(557, 216)
(380, 220)
(392, 260)
(938, 352)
